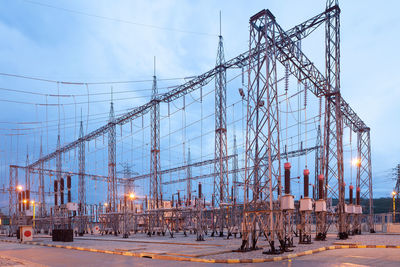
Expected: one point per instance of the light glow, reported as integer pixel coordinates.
(356, 162)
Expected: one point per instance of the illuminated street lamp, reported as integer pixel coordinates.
(19, 188)
(394, 193)
(132, 196)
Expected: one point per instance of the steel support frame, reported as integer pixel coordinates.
(364, 172)
(221, 183)
(221, 187)
(111, 181)
(262, 138)
(155, 168)
(333, 139)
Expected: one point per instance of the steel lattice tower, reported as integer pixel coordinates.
(112, 189)
(155, 168)
(81, 181)
(333, 139)
(263, 165)
(221, 186)
(332, 167)
(13, 194)
(364, 170)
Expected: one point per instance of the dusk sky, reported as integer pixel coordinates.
(102, 41)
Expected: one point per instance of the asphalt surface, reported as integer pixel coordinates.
(30, 255)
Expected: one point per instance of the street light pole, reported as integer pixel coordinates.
(394, 207)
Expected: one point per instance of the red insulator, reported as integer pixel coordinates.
(287, 178)
(69, 196)
(321, 186)
(199, 191)
(287, 166)
(358, 192)
(55, 193)
(306, 181)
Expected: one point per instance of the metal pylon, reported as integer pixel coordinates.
(262, 138)
(221, 186)
(364, 172)
(111, 184)
(155, 168)
(333, 139)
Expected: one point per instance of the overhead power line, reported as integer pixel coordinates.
(119, 20)
(85, 83)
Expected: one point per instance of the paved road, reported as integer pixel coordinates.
(63, 257)
(351, 257)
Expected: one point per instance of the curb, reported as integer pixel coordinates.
(192, 259)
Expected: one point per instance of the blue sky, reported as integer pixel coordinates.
(93, 41)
